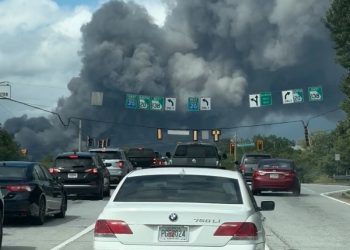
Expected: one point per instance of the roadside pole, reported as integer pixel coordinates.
(79, 136)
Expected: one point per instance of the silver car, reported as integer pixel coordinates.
(116, 162)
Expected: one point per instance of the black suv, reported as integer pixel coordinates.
(82, 173)
(142, 157)
(196, 154)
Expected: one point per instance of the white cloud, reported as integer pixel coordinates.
(39, 46)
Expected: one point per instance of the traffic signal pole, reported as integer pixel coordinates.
(79, 136)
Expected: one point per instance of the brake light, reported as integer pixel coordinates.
(238, 230)
(92, 170)
(19, 188)
(73, 157)
(154, 161)
(54, 170)
(289, 174)
(120, 164)
(108, 228)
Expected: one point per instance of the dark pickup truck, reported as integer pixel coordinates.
(142, 157)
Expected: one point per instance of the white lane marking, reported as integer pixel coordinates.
(267, 247)
(75, 237)
(333, 192)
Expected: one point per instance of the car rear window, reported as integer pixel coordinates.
(254, 159)
(109, 155)
(141, 152)
(184, 188)
(196, 151)
(13, 172)
(276, 164)
(67, 162)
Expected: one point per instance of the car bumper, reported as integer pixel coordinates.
(109, 245)
(17, 207)
(81, 189)
(273, 185)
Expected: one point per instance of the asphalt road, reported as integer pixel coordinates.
(311, 221)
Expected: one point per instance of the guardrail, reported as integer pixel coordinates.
(341, 177)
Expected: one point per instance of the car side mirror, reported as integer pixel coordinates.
(224, 156)
(267, 206)
(236, 162)
(168, 154)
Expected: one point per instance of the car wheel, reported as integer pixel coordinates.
(99, 195)
(39, 219)
(256, 192)
(1, 229)
(107, 193)
(63, 208)
(296, 190)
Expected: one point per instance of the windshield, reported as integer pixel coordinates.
(255, 159)
(286, 165)
(110, 155)
(174, 188)
(66, 162)
(141, 152)
(196, 151)
(13, 172)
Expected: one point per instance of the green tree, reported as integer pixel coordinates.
(9, 150)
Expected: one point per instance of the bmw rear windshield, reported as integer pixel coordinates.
(196, 151)
(177, 188)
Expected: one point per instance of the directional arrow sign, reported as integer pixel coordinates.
(193, 104)
(131, 101)
(315, 94)
(254, 101)
(170, 104)
(205, 103)
(144, 102)
(287, 96)
(157, 103)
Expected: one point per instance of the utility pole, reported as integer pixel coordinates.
(79, 136)
(235, 152)
(306, 133)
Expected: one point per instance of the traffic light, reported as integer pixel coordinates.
(232, 148)
(216, 134)
(100, 143)
(90, 141)
(260, 145)
(159, 134)
(195, 135)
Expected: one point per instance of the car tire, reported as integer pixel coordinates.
(39, 219)
(296, 190)
(100, 194)
(107, 193)
(256, 192)
(1, 228)
(63, 208)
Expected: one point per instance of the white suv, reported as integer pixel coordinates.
(116, 162)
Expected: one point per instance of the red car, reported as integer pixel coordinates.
(276, 175)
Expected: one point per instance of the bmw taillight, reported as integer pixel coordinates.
(120, 164)
(108, 228)
(91, 170)
(238, 230)
(19, 188)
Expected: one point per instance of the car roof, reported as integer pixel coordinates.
(76, 153)
(276, 159)
(105, 149)
(186, 170)
(18, 163)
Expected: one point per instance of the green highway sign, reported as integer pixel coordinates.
(315, 94)
(157, 103)
(131, 101)
(144, 102)
(193, 104)
(265, 98)
(298, 95)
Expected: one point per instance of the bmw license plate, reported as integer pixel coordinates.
(173, 233)
(72, 175)
(274, 176)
